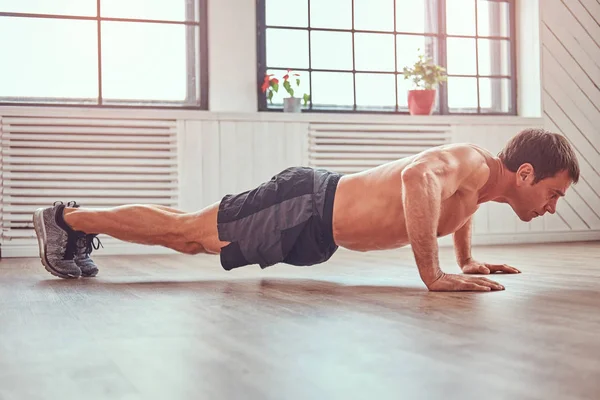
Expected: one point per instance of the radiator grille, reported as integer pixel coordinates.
(354, 148)
(95, 162)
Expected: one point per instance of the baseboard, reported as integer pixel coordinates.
(12, 251)
(487, 239)
(123, 248)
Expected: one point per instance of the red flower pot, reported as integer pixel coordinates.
(420, 102)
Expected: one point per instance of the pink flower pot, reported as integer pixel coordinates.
(420, 102)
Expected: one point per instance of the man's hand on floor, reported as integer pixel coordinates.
(457, 283)
(476, 267)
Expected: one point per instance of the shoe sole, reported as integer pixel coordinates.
(40, 231)
(92, 275)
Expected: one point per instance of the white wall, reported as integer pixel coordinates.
(233, 148)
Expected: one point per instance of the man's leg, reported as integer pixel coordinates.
(84, 248)
(189, 233)
(62, 232)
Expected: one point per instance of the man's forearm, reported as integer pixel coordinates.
(421, 195)
(462, 243)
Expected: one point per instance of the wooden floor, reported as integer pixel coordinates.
(361, 326)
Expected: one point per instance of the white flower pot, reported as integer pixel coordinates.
(292, 104)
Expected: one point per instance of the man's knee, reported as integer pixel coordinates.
(191, 248)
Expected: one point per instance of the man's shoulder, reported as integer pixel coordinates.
(461, 155)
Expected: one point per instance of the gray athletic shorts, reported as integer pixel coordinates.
(285, 220)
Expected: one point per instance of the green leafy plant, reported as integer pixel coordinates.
(291, 82)
(424, 73)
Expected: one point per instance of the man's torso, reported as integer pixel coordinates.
(369, 214)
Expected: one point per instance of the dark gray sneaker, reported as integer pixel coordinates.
(85, 246)
(57, 242)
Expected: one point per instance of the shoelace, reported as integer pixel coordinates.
(90, 245)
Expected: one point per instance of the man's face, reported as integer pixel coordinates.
(533, 200)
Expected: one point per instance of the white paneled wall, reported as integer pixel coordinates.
(571, 100)
(228, 156)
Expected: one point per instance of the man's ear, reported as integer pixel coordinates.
(525, 174)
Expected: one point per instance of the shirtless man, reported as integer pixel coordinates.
(302, 215)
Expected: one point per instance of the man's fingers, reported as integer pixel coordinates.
(484, 270)
(503, 268)
(477, 269)
(490, 283)
(476, 287)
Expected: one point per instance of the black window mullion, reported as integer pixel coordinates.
(202, 68)
(310, 103)
(395, 60)
(477, 57)
(353, 59)
(443, 95)
(513, 54)
(261, 41)
(190, 51)
(99, 44)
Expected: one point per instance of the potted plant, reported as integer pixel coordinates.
(425, 75)
(290, 104)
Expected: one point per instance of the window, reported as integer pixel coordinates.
(104, 52)
(350, 53)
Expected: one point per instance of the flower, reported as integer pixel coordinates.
(270, 85)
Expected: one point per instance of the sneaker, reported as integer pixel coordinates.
(57, 242)
(85, 246)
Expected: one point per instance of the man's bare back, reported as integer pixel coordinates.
(369, 206)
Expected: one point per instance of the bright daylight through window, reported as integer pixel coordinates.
(350, 54)
(103, 52)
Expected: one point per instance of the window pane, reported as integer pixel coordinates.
(287, 48)
(144, 9)
(417, 16)
(298, 91)
(375, 90)
(462, 93)
(287, 13)
(493, 18)
(63, 7)
(494, 57)
(331, 14)
(374, 15)
(331, 50)
(495, 94)
(460, 17)
(461, 56)
(332, 89)
(143, 61)
(374, 52)
(404, 85)
(410, 46)
(60, 62)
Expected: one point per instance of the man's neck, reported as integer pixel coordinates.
(497, 187)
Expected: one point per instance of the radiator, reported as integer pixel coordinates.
(95, 162)
(348, 148)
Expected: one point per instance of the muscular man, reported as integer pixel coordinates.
(302, 215)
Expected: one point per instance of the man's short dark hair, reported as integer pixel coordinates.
(548, 152)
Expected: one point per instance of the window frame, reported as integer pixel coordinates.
(196, 63)
(441, 36)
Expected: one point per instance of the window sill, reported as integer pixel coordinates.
(269, 116)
